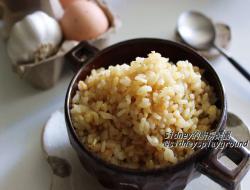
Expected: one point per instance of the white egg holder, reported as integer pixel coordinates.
(46, 73)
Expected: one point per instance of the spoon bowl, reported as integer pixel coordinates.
(198, 31)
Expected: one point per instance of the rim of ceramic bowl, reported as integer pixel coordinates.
(192, 158)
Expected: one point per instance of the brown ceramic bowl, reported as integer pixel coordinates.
(173, 177)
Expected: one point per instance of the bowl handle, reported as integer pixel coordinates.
(214, 169)
(80, 55)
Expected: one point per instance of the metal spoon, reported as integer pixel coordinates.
(197, 30)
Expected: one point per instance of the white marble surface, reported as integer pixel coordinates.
(24, 110)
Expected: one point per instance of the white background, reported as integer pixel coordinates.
(24, 110)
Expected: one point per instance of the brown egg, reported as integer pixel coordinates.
(66, 3)
(83, 20)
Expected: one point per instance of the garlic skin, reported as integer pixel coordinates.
(34, 38)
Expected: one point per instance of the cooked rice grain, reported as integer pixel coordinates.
(122, 113)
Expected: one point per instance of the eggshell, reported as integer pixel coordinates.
(83, 20)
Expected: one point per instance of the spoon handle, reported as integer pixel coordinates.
(234, 63)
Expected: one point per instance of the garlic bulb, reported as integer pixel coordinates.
(34, 38)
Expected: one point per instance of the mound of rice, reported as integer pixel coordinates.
(122, 113)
